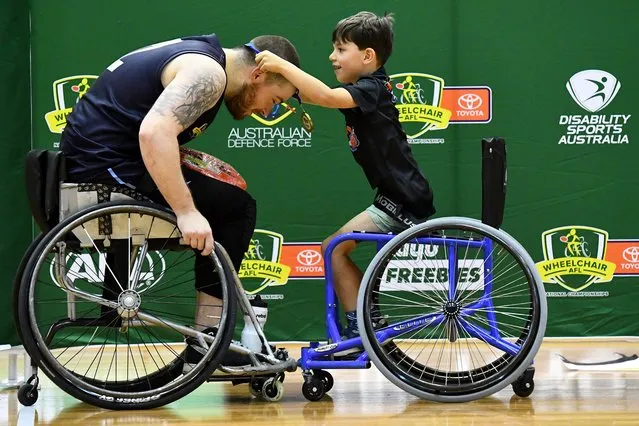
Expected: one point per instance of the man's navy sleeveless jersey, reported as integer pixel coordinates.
(101, 135)
(379, 145)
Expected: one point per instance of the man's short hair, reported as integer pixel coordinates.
(281, 46)
(366, 29)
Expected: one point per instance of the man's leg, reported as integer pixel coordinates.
(231, 212)
(234, 234)
(208, 311)
(228, 210)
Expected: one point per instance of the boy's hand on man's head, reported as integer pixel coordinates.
(270, 62)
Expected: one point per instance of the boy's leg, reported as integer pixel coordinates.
(346, 275)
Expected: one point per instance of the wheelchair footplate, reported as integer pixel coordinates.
(264, 376)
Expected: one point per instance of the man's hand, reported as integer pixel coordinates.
(267, 61)
(196, 231)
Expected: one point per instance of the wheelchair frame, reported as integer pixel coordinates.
(266, 371)
(319, 356)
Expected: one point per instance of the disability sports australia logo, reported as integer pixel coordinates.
(594, 91)
(574, 257)
(261, 266)
(419, 97)
(66, 93)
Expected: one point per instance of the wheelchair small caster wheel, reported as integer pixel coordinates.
(313, 388)
(525, 384)
(28, 394)
(523, 388)
(256, 386)
(326, 378)
(273, 390)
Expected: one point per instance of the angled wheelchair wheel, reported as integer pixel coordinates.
(106, 300)
(452, 310)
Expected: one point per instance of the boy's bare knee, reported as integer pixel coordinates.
(325, 244)
(342, 249)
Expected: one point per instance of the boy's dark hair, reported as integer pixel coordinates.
(366, 29)
(281, 46)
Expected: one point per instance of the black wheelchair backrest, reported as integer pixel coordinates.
(44, 171)
(494, 181)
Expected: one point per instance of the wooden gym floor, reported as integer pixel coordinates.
(365, 397)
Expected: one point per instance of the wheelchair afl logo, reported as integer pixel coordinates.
(66, 93)
(575, 257)
(261, 266)
(419, 97)
(91, 268)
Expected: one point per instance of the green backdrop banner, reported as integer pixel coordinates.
(15, 142)
(555, 78)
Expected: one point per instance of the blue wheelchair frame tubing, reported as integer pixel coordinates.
(312, 358)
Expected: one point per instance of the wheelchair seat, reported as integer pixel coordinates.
(52, 199)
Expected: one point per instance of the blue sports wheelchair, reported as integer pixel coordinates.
(449, 310)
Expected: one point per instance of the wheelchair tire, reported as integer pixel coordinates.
(17, 281)
(393, 277)
(164, 385)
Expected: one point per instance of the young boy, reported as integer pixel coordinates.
(361, 46)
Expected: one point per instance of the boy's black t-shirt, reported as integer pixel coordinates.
(379, 145)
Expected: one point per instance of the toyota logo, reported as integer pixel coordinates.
(631, 254)
(469, 101)
(309, 257)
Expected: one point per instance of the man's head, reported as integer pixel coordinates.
(262, 90)
(361, 44)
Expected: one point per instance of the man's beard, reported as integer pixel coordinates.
(238, 104)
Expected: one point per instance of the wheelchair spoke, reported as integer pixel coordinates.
(480, 294)
(118, 329)
(107, 265)
(150, 331)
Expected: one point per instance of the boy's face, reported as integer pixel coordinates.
(349, 62)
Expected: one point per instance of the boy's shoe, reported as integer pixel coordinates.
(352, 331)
(379, 321)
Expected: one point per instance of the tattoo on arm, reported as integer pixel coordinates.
(185, 101)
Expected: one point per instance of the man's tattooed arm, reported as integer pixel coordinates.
(188, 96)
(193, 88)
